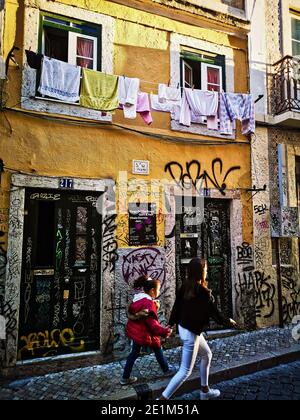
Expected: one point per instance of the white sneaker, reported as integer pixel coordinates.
(211, 394)
(128, 381)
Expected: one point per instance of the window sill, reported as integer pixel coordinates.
(200, 130)
(52, 106)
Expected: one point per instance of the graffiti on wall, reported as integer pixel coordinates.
(262, 246)
(110, 244)
(253, 287)
(132, 264)
(291, 294)
(49, 342)
(10, 316)
(3, 263)
(193, 173)
(290, 222)
(261, 210)
(143, 261)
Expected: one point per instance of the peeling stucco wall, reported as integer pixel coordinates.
(144, 45)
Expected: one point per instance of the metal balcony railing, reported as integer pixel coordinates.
(285, 94)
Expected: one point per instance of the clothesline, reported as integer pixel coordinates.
(107, 92)
(146, 81)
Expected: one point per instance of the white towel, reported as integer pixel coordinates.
(60, 80)
(168, 93)
(128, 90)
(167, 106)
(200, 103)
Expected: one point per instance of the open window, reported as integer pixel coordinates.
(203, 71)
(72, 41)
(75, 42)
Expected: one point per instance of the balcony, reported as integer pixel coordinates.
(285, 97)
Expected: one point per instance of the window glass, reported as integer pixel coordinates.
(296, 36)
(213, 79)
(71, 42)
(238, 4)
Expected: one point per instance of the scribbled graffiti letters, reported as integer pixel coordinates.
(110, 245)
(193, 173)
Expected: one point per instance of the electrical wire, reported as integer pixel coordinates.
(166, 138)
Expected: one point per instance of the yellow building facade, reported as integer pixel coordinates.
(74, 179)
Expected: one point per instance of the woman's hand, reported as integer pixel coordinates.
(170, 331)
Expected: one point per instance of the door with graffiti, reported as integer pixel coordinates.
(207, 236)
(216, 249)
(60, 286)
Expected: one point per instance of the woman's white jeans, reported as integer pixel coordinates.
(192, 346)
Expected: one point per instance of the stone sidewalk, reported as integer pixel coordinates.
(232, 357)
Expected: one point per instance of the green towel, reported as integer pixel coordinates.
(99, 91)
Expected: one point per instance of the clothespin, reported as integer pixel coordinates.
(193, 87)
(178, 86)
(169, 82)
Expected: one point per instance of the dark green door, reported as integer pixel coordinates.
(210, 239)
(216, 249)
(60, 286)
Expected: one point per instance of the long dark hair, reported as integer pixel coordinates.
(196, 269)
(146, 283)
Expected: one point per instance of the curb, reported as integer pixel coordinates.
(217, 375)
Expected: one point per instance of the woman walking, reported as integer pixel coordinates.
(193, 308)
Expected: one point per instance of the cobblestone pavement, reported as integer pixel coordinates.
(102, 381)
(280, 383)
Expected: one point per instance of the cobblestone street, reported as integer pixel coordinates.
(101, 382)
(280, 383)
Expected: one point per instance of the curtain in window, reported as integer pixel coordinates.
(85, 51)
(213, 76)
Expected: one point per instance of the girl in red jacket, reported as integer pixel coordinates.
(145, 331)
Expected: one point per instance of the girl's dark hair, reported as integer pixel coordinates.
(195, 275)
(146, 283)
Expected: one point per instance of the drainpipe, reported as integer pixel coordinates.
(283, 193)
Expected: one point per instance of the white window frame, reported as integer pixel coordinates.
(204, 78)
(72, 53)
(184, 66)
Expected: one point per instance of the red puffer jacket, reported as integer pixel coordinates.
(146, 331)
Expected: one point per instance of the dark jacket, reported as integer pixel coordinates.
(146, 331)
(194, 314)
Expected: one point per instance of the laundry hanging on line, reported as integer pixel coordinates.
(99, 91)
(105, 92)
(60, 80)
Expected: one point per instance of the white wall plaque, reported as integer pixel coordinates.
(140, 167)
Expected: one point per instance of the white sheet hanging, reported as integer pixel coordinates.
(60, 80)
